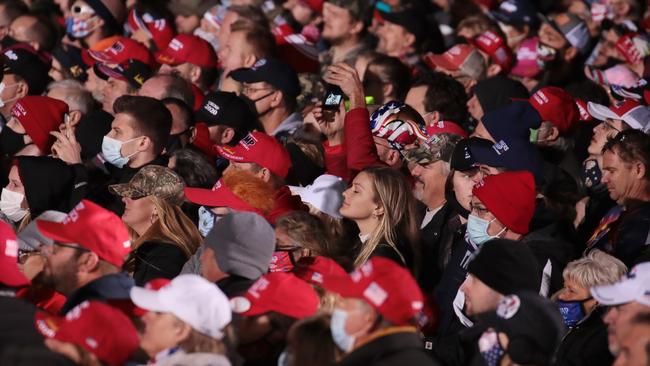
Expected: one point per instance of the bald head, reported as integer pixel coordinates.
(33, 30)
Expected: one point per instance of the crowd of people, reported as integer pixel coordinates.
(320, 182)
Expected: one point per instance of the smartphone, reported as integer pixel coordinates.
(333, 97)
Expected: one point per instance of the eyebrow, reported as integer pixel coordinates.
(357, 185)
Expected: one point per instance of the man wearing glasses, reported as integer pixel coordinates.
(85, 259)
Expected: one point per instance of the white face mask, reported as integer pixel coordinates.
(112, 151)
(3, 86)
(10, 205)
(337, 326)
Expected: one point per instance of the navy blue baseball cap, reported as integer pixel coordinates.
(516, 12)
(272, 71)
(469, 153)
(512, 122)
(520, 155)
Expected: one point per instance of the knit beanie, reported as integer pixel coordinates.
(39, 116)
(510, 197)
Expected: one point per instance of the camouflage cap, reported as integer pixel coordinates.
(152, 180)
(437, 147)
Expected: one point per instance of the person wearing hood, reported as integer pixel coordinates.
(37, 184)
(494, 93)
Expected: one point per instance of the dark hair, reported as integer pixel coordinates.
(13, 9)
(389, 70)
(208, 77)
(251, 14)
(444, 94)
(42, 32)
(195, 169)
(176, 87)
(631, 146)
(310, 342)
(589, 91)
(187, 115)
(259, 38)
(152, 118)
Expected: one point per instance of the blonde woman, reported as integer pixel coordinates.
(163, 236)
(380, 202)
(586, 341)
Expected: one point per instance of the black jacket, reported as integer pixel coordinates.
(400, 348)
(153, 259)
(586, 343)
(113, 288)
(17, 324)
(433, 252)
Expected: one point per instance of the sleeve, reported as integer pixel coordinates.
(158, 261)
(80, 184)
(361, 150)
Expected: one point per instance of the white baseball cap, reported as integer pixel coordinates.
(630, 111)
(192, 299)
(325, 194)
(635, 286)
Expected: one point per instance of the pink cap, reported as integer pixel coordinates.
(10, 275)
(526, 65)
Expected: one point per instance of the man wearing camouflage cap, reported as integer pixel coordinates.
(429, 166)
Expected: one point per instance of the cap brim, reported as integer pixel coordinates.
(601, 112)
(125, 190)
(167, 59)
(54, 230)
(203, 197)
(442, 62)
(147, 300)
(616, 294)
(296, 191)
(246, 75)
(243, 305)
(46, 324)
(111, 73)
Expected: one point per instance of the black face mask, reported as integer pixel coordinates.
(175, 143)
(11, 141)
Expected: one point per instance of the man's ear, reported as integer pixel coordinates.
(276, 100)
(87, 262)
(22, 89)
(265, 175)
(357, 28)
(250, 60)
(432, 118)
(74, 117)
(554, 134)
(393, 157)
(409, 40)
(195, 74)
(639, 170)
(227, 136)
(387, 90)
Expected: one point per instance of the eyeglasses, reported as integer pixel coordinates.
(609, 126)
(48, 249)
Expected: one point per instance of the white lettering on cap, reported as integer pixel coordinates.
(92, 343)
(259, 286)
(500, 147)
(261, 62)
(11, 248)
(127, 244)
(11, 55)
(540, 97)
(375, 294)
(176, 45)
(248, 141)
(73, 216)
(212, 108)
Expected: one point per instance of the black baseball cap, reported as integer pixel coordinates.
(471, 152)
(273, 71)
(227, 109)
(412, 20)
(23, 60)
(70, 59)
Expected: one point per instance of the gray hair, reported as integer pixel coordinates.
(76, 96)
(594, 269)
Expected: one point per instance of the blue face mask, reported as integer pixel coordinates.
(337, 326)
(112, 151)
(477, 230)
(490, 348)
(572, 311)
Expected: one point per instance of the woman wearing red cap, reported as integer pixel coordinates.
(380, 202)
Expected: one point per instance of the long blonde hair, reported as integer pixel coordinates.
(398, 220)
(172, 226)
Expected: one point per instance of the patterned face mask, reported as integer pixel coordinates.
(490, 348)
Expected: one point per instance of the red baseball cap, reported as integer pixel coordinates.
(510, 197)
(98, 328)
(386, 286)
(188, 48)
(582, 108)
(261, 149)
(280, 292)
(94, 228)
(634, 47)
(495, 47)
(318, 270)
(462, 57)
(446, 127)
(39, 116)
(121, 50)
(629, 111)
(157, 28)
(10, 275)
(219, 196)
(556, 106)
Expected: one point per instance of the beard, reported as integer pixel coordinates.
(62, 279)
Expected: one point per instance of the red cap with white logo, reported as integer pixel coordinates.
(186, 48)
(386, 286)
(496, 47)
(279, 292)
(261, 149)
(556, 106)
(94, 228)
(98, 328)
